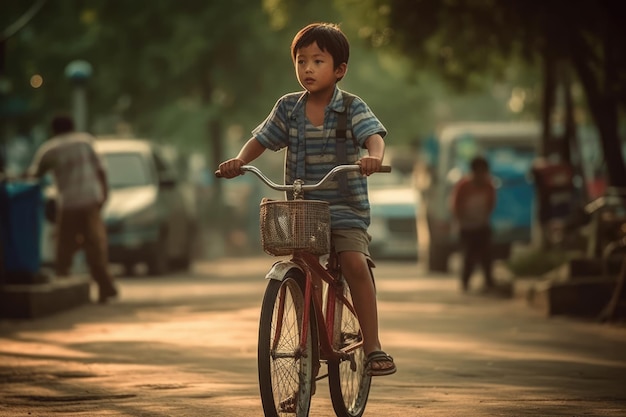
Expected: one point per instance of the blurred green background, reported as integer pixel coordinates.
(200, 75)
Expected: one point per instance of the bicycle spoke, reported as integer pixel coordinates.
(349, 382)
(284, 371)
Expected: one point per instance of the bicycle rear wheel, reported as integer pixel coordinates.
(285, 370)
(349, 383)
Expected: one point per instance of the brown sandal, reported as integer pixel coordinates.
(379, 357)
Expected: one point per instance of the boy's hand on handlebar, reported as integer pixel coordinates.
(369, 165)
(231, 168)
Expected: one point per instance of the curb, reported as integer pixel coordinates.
(18, 301)
(580, 297)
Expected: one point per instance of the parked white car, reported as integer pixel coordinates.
(394, 205)
(150, 215)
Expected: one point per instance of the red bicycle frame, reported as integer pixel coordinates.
(313, 269)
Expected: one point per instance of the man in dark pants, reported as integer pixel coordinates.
(81, 180)
(473, 201)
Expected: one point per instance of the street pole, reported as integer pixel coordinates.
(79, 72)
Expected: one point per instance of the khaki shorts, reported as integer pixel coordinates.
(350, 240)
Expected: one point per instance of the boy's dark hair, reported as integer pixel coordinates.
(328, 37)
(479, 163)
(62, 123)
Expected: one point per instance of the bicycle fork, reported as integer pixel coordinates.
(332, 344)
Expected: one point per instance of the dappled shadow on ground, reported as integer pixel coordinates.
(166, 341)
(187, 344)
(496, 354)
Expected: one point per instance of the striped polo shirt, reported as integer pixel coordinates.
(74, 164)
(312, 152)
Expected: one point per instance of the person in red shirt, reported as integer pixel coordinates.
(473, 201)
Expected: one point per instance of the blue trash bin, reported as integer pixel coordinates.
(21, 222)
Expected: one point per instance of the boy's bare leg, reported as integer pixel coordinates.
(356, 271)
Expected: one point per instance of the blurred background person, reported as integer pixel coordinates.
(82, 191)
(473, 201)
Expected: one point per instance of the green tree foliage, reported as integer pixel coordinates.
(193, 73)
(460, 38)
(161, 65)
(409, 98)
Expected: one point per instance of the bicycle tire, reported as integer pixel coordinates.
(284, 371)
(349, 382)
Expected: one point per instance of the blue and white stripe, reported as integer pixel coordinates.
(311, 151)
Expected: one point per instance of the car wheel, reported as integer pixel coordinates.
(184, 262)
(185, 259)
(158, 260)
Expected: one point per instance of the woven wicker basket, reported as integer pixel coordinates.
(288, 226)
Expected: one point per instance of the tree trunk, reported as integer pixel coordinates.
(605, 114)
(549, 90)
(2, 97)
(603, 104)
(217, 207)
(569, 131)
(216, 151)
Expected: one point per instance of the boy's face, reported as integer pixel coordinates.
(315, 69)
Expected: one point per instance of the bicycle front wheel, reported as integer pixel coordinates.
(285, 367)
(349, 382)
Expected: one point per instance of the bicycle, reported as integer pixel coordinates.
(307, 317)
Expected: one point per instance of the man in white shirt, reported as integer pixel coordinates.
(81, 182)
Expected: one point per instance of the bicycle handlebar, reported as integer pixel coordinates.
(305, 187)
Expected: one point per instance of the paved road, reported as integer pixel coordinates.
(186, 346)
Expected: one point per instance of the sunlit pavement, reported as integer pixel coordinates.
(185, 345)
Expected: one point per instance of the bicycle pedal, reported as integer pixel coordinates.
(352, 363)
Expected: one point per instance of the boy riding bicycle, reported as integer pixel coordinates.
(308, 125)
